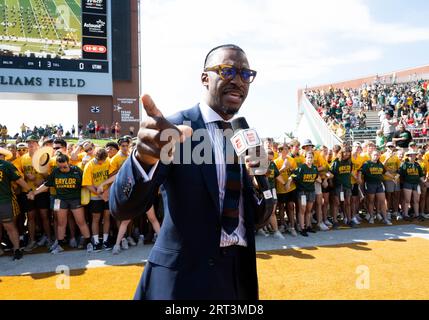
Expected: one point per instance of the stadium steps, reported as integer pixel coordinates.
(372, 119)
(372, 125)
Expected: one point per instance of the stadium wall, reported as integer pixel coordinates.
(123, 106)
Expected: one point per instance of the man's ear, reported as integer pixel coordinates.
(205, 79)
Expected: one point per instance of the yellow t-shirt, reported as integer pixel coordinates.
(27, 168)
(116, 162)
(424, 166)
(392, 165)
(299, 159)
(17, 164)
(94, 174)
(426, 158)
(78, 161)
(285, 174)
(81, 165)
(320, 161)
(366, 156)
(357, 164)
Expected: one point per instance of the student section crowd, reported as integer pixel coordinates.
(320, 189)
(54, 194)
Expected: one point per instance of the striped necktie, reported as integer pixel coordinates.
(230, 212)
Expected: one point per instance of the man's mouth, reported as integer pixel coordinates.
(234, 96)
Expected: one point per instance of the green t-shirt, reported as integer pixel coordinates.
(373, 172)
(411, 172)
(342, 171)
(272, 174)
(380, 142)
(8, 174)
(305, 178)
(67, 184)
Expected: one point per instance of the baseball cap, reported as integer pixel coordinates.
(22, 145)
(32, 137)
(307, 143)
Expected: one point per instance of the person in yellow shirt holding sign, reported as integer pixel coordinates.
(95, 173)
(393, 188)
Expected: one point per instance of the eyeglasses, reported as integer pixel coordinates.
(228, 72)
(56, 148)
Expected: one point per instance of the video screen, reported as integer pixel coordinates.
(69, 35)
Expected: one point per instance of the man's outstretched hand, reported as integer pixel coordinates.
(157, 136)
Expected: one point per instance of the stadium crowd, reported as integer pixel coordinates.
(321, 189)
(54, 194)
(92, 130)
(345, 109)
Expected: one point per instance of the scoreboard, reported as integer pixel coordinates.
(47, 46)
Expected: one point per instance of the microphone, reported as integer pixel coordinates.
(245, 141)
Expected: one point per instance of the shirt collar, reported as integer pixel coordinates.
(209, 115)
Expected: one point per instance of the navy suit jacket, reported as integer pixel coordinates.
(188, 246)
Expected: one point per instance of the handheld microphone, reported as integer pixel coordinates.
(243, 141)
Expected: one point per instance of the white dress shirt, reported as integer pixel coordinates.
(238, 237)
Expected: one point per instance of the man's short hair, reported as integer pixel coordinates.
(113, 145)
(60, 141)
(123, 139)
(224, 46)
(294, 143)
(47, 141)
(62, 158)
(101, 154)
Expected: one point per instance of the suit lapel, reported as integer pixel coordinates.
(208, 170)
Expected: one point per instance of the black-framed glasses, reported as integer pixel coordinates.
(228, 72)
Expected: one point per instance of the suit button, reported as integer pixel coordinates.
(211, 262)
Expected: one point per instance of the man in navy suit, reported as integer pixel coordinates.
(206, 246)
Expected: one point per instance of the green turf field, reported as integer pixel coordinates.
(41, 27)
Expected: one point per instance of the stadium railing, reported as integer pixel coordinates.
(312, 126)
